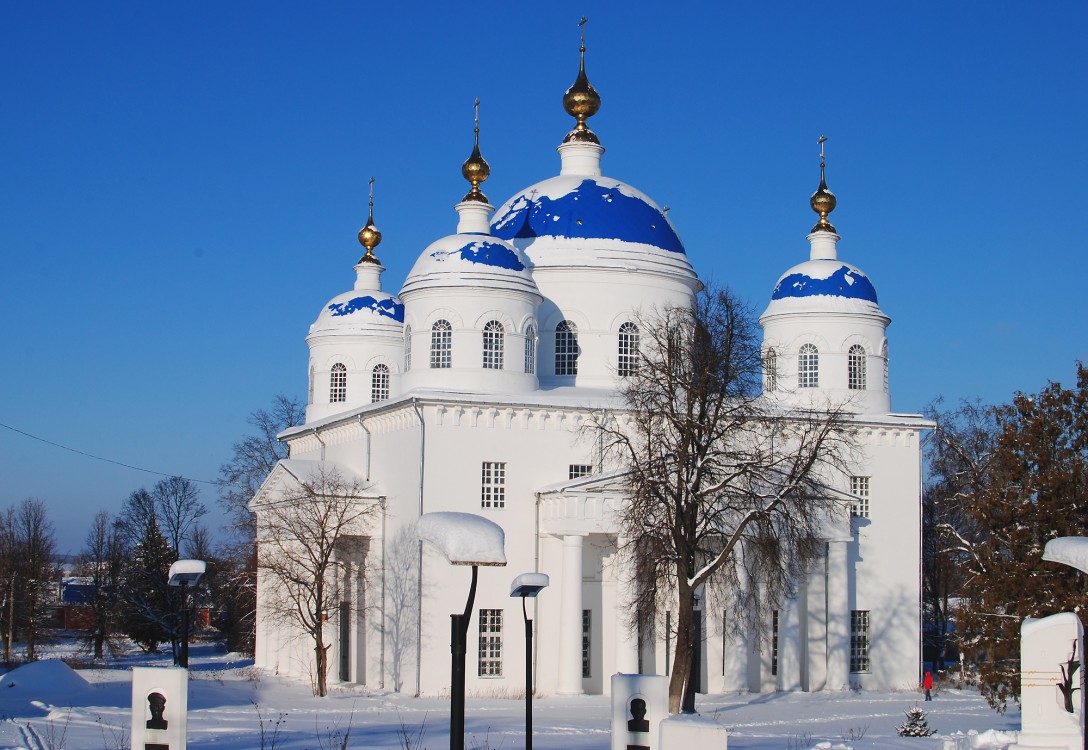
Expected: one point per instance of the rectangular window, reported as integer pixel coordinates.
(859, 488)
(587, 621)
(580, 470)
(490, 659)
(493, 486)
(859, 640)
(774, 643)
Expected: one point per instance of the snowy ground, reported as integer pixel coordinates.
(47, 706)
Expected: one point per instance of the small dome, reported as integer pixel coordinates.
(582, 207)
(358, 311)
(470, 260)
(829, 278)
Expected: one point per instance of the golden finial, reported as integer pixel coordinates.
(369, 236)
(476, 168)
(582, 100)
(823, 200)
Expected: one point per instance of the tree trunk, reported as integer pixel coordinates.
(321, 656)
(683, 652)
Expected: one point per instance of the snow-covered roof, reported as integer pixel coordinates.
(1069, 550)
(581, 207)
(464, 538)
(824, 285)
(470, 261)
(358, 311)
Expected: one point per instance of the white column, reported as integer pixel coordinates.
(570, 618)
(626, 636)
(816, 626)
(838, 616)
(789, 645)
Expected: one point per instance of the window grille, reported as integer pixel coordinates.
(627, 363)
(441, 344)
(856, 368)
(310, 387)
(587, 617)
(530, 351)
(808, 367)
(566, 349)
(859, 640)
(407, 348)
(774, 643)
(859, 488)
(494, 337)
(338, 384)
(493, 486)
(580, 470)
(379, 383)
(490, 657)
(770, 369)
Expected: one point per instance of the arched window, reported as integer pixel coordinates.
(530, 351)
(566, 348)
(884, 356)
(494, 336)
(441, 344)
(770, 369)
(407, 348)
(379, 383)
(855, 376)
(310, 387)
(338, 384)
(808, 367)
(627, 362)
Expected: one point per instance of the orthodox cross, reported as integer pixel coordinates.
(371, 195)
(582, 26)
(822, 141)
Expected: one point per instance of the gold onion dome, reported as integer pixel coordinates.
(476, 169)
(823, 200)
(582, 100)
(369, 236)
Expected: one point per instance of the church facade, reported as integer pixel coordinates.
(469, 390)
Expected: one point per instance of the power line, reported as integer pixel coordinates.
(101, 458)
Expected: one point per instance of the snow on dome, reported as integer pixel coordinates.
(464, 538)
(573, 206)
(830, 278)
(359, 309)
(471, 260)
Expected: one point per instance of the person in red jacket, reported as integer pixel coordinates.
(927, 683)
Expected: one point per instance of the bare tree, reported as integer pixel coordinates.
(255, 455)
(103, 561)
(132, 520)
(178, 507)
(727, 489)
(298, 536)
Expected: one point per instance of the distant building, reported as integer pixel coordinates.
(467, 392)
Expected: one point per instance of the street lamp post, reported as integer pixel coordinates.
(185, 573)
(464, 539)
(528, 585)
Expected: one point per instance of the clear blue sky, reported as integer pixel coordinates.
(181, 184)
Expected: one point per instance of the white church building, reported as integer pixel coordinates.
(468, 391)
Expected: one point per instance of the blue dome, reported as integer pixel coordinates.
(584, 207)
(828, 278)
(471, 261)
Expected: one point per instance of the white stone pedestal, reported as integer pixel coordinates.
(638, 726)
(693, 733)
(160, 705)
(1045, 647)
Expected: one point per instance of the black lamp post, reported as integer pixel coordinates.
(185, 573)
(528, 585)
(464, 539)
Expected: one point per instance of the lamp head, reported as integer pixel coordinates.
(529, 584)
